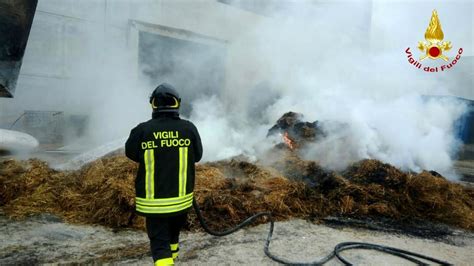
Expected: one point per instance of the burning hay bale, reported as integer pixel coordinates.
(294, 131)
(102, 192)
(297, 133)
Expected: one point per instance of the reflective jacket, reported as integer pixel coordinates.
(166, 148)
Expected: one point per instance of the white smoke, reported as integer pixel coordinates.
(224, 135)
(320, 64)
(406, 132)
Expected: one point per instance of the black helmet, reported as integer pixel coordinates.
(165, 98)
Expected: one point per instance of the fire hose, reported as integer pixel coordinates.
(404, 254)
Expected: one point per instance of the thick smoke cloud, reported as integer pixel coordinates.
(319, 62)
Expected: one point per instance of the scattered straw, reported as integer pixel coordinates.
(102, 192)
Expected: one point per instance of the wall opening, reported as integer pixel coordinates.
(195, 68)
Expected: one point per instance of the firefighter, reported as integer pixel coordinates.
(166, 148)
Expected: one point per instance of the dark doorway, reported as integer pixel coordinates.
(194, 68)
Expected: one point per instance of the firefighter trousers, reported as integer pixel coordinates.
(163, 233)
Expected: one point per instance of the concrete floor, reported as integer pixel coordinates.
(45, 239)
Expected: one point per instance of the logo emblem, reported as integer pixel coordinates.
(434, 46)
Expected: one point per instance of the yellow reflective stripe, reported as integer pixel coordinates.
(164, 206)
(183, 170)
(174, 250)
(167, 209)
(149, 159)
(152, 174)
(174, 247)
(165, 261)
(180, 173)
(147, 171)
(164, 201)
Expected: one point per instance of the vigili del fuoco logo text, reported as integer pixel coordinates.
(434, 48)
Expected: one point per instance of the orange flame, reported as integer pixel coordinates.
(289, 142)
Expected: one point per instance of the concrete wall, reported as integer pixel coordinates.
(71, 39)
